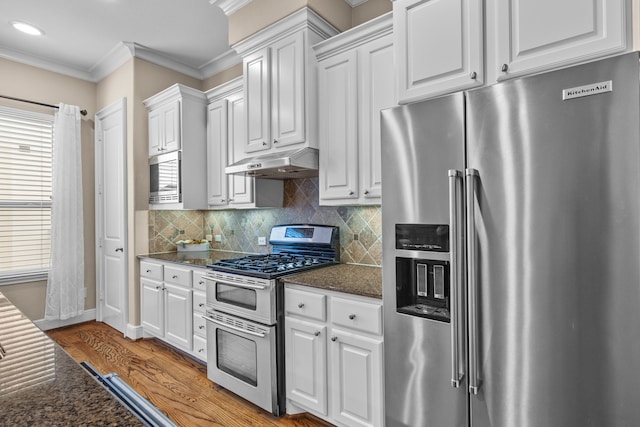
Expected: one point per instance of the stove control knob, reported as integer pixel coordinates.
(300, 305)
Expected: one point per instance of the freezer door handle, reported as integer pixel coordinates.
(455, 221)
(472, 277)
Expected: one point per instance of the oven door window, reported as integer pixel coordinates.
(237, 296)
(237, 356)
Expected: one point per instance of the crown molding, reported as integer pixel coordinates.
(304, 18)
(356, 36)
(231, 6)
(220, 63)
(225, 89)
(34, 61)
(354, 3)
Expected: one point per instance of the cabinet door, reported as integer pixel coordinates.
(240, 186)
(178, 319)
(306, 364)
(356, 366)
(338, 128)
(287, 91)
(377, 91)
(439, 46)
(152, 306)
(170, 123)
(217, 153)
(155, 133)
(256, 81)
(533, 35)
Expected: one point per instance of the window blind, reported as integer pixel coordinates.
(26, 140)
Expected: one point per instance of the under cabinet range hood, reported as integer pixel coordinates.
(298, 163)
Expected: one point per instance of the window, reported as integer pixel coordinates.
(26, 140)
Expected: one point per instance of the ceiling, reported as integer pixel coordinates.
(88, 39)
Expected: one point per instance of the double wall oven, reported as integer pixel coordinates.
(245, 320)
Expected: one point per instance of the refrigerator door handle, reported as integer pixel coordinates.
(472, 277)
(455, 220)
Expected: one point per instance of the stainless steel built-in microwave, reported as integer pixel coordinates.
(164, 178)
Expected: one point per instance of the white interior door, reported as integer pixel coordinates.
(111, 208)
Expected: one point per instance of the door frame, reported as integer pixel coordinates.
(118, 107)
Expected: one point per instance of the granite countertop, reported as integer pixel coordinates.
(40, 384)
(197, 258)
(348, 278)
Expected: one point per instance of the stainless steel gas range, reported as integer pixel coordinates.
(245, 322)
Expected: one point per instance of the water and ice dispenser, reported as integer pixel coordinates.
(422, 284)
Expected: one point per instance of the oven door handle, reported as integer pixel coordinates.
(240, 285)
(235, 328)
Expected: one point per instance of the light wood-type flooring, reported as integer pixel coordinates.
(172, 381)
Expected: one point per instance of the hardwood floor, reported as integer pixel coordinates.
(172, 381)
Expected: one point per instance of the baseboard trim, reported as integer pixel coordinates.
(86, 316)
(134, 332)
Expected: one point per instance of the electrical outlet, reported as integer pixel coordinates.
(218, 238)
(262, 241)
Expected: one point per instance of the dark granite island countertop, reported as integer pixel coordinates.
(41, 385)
(195, 258)
(353, 279)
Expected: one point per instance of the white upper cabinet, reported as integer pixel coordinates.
(534, 35)
(280, 83)
(226, 136)
(356, 81)
(440, 49)
(178, 121)
(438, 46)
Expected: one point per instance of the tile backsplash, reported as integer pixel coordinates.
(360, 226)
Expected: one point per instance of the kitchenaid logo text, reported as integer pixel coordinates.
(592, 89)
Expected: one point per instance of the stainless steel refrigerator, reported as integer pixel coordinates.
(511, 253)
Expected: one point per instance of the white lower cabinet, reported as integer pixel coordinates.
(172, 304)
(333, 358)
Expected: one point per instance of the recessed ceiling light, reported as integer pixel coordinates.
(27, 28)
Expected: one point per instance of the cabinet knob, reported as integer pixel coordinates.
(504, 68)
(300, 305)
(264, 143)
(316, 333)
(366, 192)
(275, 141)
(158, 288)
(473, 75)
(201, 282)
(201, 327)
(174, 277)
(148, 271)
(119, 249)
(351, 193)
(352, 316)
(201, 305)
(334, 339)
(201, 350)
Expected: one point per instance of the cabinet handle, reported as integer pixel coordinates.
(504, 68)
(201, 305)
(221, 200)
(275, 141)
(352, 316)
(231, 200)
(300, 305)
(174, 277)
(119, 249)
(201, 282)
(316, 333)
(148, 271)
(334, 339)
(473, 75)
(158, 288)
(264, 143)
(201, 327)
(201, 350)
(366, 192)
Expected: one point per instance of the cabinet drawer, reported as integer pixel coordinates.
(151, 270)
(199, 325)
(200, 347)
(198, 279)
(305, 304)
(199, 302)
(177, 276)
(358, 315)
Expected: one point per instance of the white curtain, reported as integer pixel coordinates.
(65, 286)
